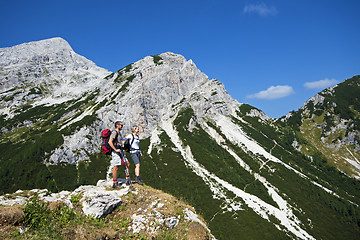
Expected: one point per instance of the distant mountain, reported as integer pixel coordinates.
(330, 122)
(248, 176)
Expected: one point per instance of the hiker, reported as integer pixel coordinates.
(117, 155)
(135, 151)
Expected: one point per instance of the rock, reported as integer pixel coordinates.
(139, 222)
(11, 202)
(171, 222)
(97, 201)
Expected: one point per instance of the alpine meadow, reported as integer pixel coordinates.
(249, 176)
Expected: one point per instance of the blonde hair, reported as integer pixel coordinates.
(133, 128)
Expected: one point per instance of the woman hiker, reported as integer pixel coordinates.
(135, 151)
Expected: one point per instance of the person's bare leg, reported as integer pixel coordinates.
(137, 170)
(114, 174)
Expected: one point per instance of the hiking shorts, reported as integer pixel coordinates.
(116, 158)
(136, 157)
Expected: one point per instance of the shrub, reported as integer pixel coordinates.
(75, 199)
(37, 214)
(157, 59)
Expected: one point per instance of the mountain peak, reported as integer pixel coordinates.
(40, 46)
(27, 51)
(51, 43)
(51, 63)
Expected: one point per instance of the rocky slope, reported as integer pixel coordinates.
(246, 174)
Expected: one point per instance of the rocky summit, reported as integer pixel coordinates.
(248, 176)
(48, 68)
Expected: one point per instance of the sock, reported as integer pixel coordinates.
(114, 180)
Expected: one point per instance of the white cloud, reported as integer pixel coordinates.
(273, 92)
(321, 84)
(261, 8)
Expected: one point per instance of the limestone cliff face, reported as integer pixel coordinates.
(45, 71)
(159, 90)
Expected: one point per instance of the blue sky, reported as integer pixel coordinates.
(273, 54)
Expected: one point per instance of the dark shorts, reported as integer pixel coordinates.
(136, 157)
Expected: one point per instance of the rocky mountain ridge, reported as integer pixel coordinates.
(175, 79)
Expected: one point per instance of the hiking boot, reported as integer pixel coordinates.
(116, 185)
(127, 182)
(138, 180)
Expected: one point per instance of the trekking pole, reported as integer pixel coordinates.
(127, 174)
(128, 177)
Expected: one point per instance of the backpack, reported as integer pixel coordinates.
(105, 147)
(127, 144)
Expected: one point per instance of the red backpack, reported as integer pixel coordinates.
(105, 147)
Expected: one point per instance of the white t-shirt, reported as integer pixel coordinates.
(135, 144)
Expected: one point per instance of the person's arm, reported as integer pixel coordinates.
(111, 143)
(125, 138)
(141, 154)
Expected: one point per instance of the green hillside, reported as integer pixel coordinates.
(323, 215)
(332, 126)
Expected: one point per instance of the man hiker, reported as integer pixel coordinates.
(117, 155)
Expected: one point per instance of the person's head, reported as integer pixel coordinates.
(119, 125)
(135, 129)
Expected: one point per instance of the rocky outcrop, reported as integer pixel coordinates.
(148, 211)
(96, 201)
